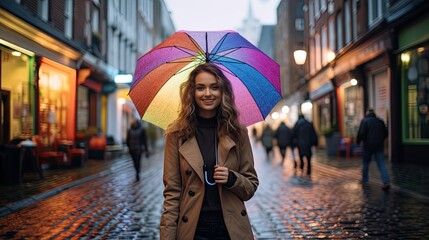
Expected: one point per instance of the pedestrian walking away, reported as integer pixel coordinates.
(372, 131)
(305, 137)
(208, 163)
(137, 144)
(283, 136)
(267, 138)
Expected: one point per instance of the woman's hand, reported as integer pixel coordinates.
(220, 174)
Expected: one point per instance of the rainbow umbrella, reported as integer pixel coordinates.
(255, 77)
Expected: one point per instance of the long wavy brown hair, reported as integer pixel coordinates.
(227, 114)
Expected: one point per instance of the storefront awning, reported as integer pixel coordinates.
(93, 85)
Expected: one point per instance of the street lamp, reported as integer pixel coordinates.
(300, 56)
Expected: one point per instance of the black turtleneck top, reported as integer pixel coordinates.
(206, 129)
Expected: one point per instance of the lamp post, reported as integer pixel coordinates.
(300, 56)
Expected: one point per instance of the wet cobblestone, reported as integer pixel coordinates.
(287, 205)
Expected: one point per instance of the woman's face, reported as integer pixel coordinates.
(207, 94)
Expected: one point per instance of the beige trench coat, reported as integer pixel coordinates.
(184, 187)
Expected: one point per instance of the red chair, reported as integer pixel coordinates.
(49, 156)
(77, 157)
(97, 147)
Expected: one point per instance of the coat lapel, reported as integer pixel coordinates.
(191, 152)
(224, 146)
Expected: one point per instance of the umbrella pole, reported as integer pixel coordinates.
(207, 49)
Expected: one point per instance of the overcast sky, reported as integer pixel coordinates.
(210, 15)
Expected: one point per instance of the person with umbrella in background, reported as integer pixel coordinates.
(208, 163)
(136, 143)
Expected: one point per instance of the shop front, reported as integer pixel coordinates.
(96, 99)
(17, 107)
(350, 104)
(38, 79)
(362, 82)
(57, 95)
(322, 95)
(414, 67)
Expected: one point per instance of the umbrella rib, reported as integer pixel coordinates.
(190, 53)
(217, 56)
(194, 43)
(220, 44)
(184, 69)
(229, 71)
(179, 61)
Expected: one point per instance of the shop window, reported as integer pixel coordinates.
(376, 8)
(327, 114)
(415, 75)
(56, 102)
(353, 108)
(43, 9)
(82, 109)
(16, 82)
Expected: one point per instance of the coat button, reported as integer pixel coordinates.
(185, 219)
(191, 193)
(188, 172)
(243, 213)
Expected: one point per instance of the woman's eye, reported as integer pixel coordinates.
(200, 88)
(215, 87)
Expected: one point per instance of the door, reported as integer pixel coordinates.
(379, 99)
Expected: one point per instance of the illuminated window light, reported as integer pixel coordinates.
(330, 56)
(275, 115)
(405, 57)
(306, 107)
(17, 48)
(123, 78)
(285, 109)
(16, 53)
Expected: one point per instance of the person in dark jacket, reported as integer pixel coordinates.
(373, 132)
(267, 138)
(305, 136)
(137, 144)
(283, 136)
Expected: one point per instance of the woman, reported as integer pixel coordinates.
(208, 163)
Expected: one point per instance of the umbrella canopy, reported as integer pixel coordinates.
(254, 76)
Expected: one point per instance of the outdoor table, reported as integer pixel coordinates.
(30, 161)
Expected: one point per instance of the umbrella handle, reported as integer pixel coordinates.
(206, 178)
(216, 159)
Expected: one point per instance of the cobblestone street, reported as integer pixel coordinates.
(287, 205)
